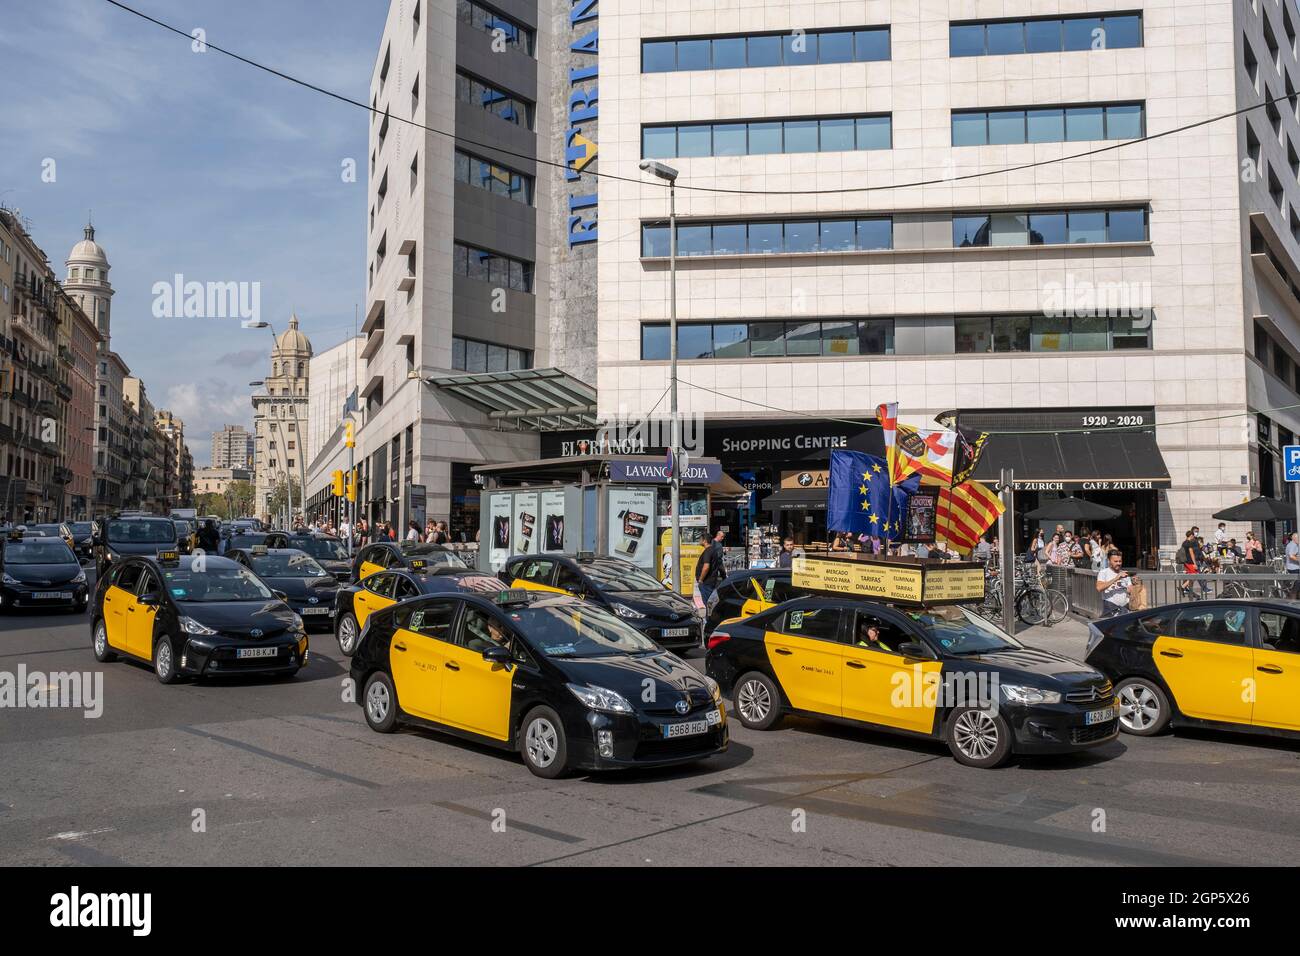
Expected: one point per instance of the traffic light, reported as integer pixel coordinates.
(349, 435)
(337, 489)
(352, 485)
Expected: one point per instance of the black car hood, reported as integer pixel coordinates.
(657, 604)
(43, 573)
(303, 588)
(626, 673)
(240, 618)
(1037, 663)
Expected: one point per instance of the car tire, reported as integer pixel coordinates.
(379, 702)
(99, 643)
(978, 737)
(758, 701)
(1147, 705)
(164, 661)
(346, 630)
(542, 743)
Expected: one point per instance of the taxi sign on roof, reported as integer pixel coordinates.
(417, 564)
(899, 580)
(168, 557)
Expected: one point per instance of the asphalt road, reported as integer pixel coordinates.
(288, 773)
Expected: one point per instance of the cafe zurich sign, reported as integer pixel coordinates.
(657, 471)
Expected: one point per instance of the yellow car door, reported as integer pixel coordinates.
(476, 693)
(807, 656)
(116, 602)
(417, 656)
(369, 564)
(375, 595)
(881, 686)
(535, 575)
(1277, 672)
(140, 618)
(1207, 663)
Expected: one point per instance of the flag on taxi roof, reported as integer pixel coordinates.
(965, 512)
(860, 498)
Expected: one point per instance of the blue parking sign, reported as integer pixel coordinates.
(1291, 462)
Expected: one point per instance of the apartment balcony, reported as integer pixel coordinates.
(46, 407)
(66, 356)
(62, 476)
(64, 391)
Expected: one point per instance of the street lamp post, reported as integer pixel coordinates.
(669, 175)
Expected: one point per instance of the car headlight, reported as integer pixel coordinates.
(622, 610)
(191, 626)
(600, 698)
(714, 690)
(1020, 694)
(1094, 638)
(80, 578)
(9, 579)
(297, 623)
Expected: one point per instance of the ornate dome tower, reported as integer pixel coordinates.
(290, 362)
(87, 282)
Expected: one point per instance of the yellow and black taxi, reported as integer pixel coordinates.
(355, 602)
(39, 571)
(890, 646)
(295, 577)
(619, 586)
(565, 683)
(187, 535)
(81, 538)
(745, 593)
(194, 616)
(128, 535)
(1226, 665)
(383, 555)
(330, 551)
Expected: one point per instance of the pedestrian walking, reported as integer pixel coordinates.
(711, 568)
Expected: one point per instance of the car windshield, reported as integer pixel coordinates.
(435, 557)
(578, 630)
(323, 549)
(44, 530)
(38, 551)
(213, 585)
(183, 526)
(620, 577)
(80, 528)
(288, 566)
(961, 632)
(161, 531)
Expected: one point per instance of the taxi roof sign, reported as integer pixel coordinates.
(258, 549)
(512, 596)
(168, 557)
(418, 564)
(916, 581)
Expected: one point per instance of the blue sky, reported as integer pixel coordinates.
(196, 164)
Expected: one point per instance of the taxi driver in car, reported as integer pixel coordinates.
(869, 635)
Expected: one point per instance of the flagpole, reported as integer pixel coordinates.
(1006, 532)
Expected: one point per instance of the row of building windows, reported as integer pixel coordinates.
(471, 355)
(761, 137)
(516, 35)
(1045, 35)
(799, 48)
(1066, 124)
(1054, 228)
(504, 272)
(1276, 359)
(843, 337)
(499, 102)
(495, 179)
(848, 234)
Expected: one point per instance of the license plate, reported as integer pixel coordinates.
(245, 652)
(1099, 716)
(692, 727)
(677, 632)
(53, 595)
(318, 610)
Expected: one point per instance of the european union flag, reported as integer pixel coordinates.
(860, 498)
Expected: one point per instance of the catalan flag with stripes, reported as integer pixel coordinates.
(965, 512)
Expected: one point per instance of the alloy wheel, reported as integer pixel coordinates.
(163, 664)
(1138, 707)
(347, 635)
(976, 734)
(377, 702)
(542, 742)
(101, 639)
(754, 701)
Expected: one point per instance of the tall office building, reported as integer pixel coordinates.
(232, 447)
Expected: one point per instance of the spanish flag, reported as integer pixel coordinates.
(965, 512)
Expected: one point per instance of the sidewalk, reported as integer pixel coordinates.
(1070, 637)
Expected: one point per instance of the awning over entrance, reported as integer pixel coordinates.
(795, 499)
(1077, 461)
(543, 399)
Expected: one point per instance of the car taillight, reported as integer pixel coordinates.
(716, 638)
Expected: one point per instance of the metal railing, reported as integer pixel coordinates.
(1163, 587)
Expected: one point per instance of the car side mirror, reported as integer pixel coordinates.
(147, 600)
(915, 650)
(498, 655)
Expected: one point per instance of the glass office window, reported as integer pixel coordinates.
(1048, 229)
(840, 338)
(1084, 123)
(728, 53)
(1011, 333)
(458, 354)
(970, 231)
(1048, 334)
(659, 142)
(1127, 225)
(655, 345)
(695, 140)
(870, 45)
(836, 135)
(803, 338)
(1131, 332)
(729, 139)
(1043, 36)
(801, 236)
(1006, 126)
(1009, 229)
(1088, 225)
(731, 340)
(1124, 122)
(838, 235)
(969, 129)
(799, 48)
(1122, 32)
(876, 337)
(875, 233)
(475, 356)
(1005, 38)
(694, 55)
(766, 237)
(654, 241)
(874, 132)
(729, 239)
(658, 56)
(835, 48)
(966, 39)
(973, 335)
(1090, 334)
(496, 358)
(801, 136)
(766, 338)
(694, 240)
(764, 138)
(1045, 126)
(694, 341)
(763, 51)
(1083, 33)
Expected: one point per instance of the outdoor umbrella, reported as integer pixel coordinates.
(1258, 509)
(1072, 509)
